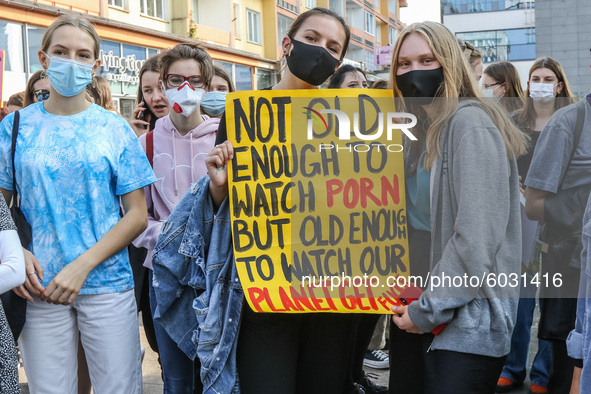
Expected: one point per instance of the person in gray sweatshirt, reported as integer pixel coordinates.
(467, 153)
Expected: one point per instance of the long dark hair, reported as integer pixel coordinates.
(506, 73)
(324, 12)
(338, 77)
(152, 64)
(526, 117)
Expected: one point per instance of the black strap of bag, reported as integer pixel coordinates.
(24, 229)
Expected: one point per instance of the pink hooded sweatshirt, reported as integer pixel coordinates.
(178, 162)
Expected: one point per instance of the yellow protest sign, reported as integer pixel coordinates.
(318, 199)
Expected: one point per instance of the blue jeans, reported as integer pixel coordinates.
(516, 361)
(178, 370)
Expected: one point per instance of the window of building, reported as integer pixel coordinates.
(503, 45)
(337, 6)
(265, 78)
(369, 60)
(468, 6)
(117, 3)
(195, 12)
(34, 38)
(283, 25)
(393, 33)
(392, 6)
(243, 77)
(236, 21)
(370, 23)
(378, 33)
(253, 26)
(11, 40)
(240, 74)
(310, 3)
(153, 8)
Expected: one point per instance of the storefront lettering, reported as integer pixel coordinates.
(123, 64)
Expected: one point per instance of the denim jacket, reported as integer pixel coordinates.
(194, 270)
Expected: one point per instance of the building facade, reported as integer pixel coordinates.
(502, 30)
(564, 33)
(242, 36)
(130, 32)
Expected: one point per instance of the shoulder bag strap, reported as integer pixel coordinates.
(14, 200)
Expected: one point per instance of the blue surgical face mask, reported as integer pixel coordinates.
(68, 77)
(214, 103)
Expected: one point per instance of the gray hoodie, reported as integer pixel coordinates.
(475, 236)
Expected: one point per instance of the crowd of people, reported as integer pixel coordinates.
(118, 217)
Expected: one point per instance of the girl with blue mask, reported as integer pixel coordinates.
(78, 282)
(214, 102)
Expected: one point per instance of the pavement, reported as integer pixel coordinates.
(153, 383)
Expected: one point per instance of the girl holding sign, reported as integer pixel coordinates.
(292, 353)
(467, 200)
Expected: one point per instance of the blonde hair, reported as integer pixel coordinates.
(75, 21)
(458, 82)
(101, 93)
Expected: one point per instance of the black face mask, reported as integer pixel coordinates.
(311, 63)
(420, 83)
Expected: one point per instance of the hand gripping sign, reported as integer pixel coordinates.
(317, 197)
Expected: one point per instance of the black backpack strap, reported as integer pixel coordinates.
(15, 125)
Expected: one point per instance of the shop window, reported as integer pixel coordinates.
(265, 78)
(153, 8)
(243, 77)
(253, 27)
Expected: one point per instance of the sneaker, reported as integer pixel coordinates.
(537, 389)
(377, 359)
(505, 385)
(370, 387)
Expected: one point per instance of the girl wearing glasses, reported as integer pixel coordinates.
(75, 162)
(181, 141)
(37, 88)
(501, 80)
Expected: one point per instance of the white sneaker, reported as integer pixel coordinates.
(377, 359)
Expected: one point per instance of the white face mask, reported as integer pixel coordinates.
(185, 99)
(490, 92)
(542, 92)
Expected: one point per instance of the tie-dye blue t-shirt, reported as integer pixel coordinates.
(70, 172)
